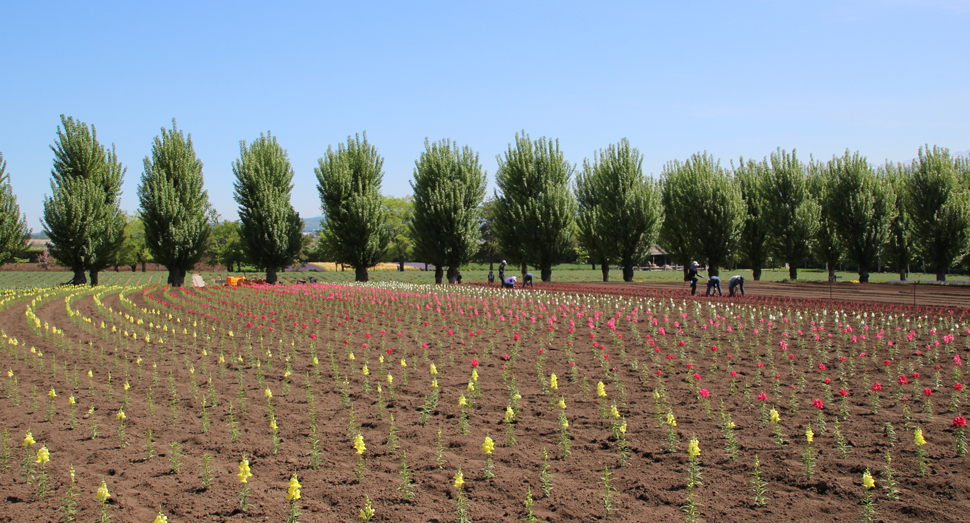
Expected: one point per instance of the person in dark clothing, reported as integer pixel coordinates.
(458, 278)
(501, 272)
(692, 277)
(713, 283)
(491, 277)
(528, 280)
(509, 283)
(736, 282)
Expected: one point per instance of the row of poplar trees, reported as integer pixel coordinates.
(777, 209)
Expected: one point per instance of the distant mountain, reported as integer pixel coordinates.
(311, 225)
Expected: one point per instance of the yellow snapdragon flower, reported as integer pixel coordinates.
(488, 446)
(918, 437)
(601, 390)
(293, 489)
(693, 448)
(359, 444)
(102, 494)
(244, 472)
(43, 456)
(867, 480)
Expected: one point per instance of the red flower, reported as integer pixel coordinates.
(606, 356)
(902, 380)
(762, 397)
(959, 421)
(826, 381)
(714, 348)
(958, 386)
(843, 392)
(927, 392)
(474, 362)
(876, 387)
(690, 366)
(390, 351)
(915, 375)
(734, 374)
(542, 351)
(887, 362)
(821, 366)
(659, 373)
(818, 404)
(704, 394)
(313, 336)
(697, 376)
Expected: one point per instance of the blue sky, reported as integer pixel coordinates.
(675, 78)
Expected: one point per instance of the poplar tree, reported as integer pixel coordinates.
(13, 225)
(825, 244)
(535, 210)
(898, 251)
(753, 243)
(82, 217)
(620, 213)
(174, 206)
(449, 186)
(938, 204)
(270, 229)
(349, 182)
(710, 207)
(859, 203)
(676, 234)
(790, 212)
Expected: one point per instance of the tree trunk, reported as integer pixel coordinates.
(628, 273)
(271, 274)
(525, 269)
(605, 267)
(546, 274)
(144, 266)
(94, 278)
(594, 267)
(116, 269)
(792, 271)
(686, 270)
(400, 266)
(491, 266)
(940, 275)
(902, 274)
(712, 269)
(79, 277)
(361, 274)
(452, 275)
(176, 277)
(757, 274)
(832, 272)
(438, 273)
(863, 275)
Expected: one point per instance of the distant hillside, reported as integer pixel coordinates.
(312, 224)
(39, 236)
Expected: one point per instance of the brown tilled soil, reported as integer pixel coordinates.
(651, 486)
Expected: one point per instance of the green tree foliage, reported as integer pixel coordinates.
(825, 244)
(791, 213)
(488, 247)
(676, 234)
(400, 213)
(535, 210)
(938, 204)
(82, 216)
(271, 231)
(709, 202)
(859, 203)
(174, 207)
(448, 185)
(130, 251)
(898, 252)
(13, 225)
(753, 243)
(620, 213)
(228, 245)
(349, 182)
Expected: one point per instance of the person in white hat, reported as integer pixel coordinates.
(501, 272)
(692, 277)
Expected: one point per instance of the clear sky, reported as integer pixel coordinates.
(736, 78)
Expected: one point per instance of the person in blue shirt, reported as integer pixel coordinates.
(736, 283)
(713, 283)
(528, 280)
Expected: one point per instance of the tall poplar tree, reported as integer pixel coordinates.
(753, 242)
(938, 204)
(710, 207)
(676, 234)
(272, 232)
(449, 186)
(349, 182)
(535, 210)
(825, 245)
(791, 213)
(82, 217)
(13, 225)
(174, 206)
(898, 251)
(620, 213)
(859, 203)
